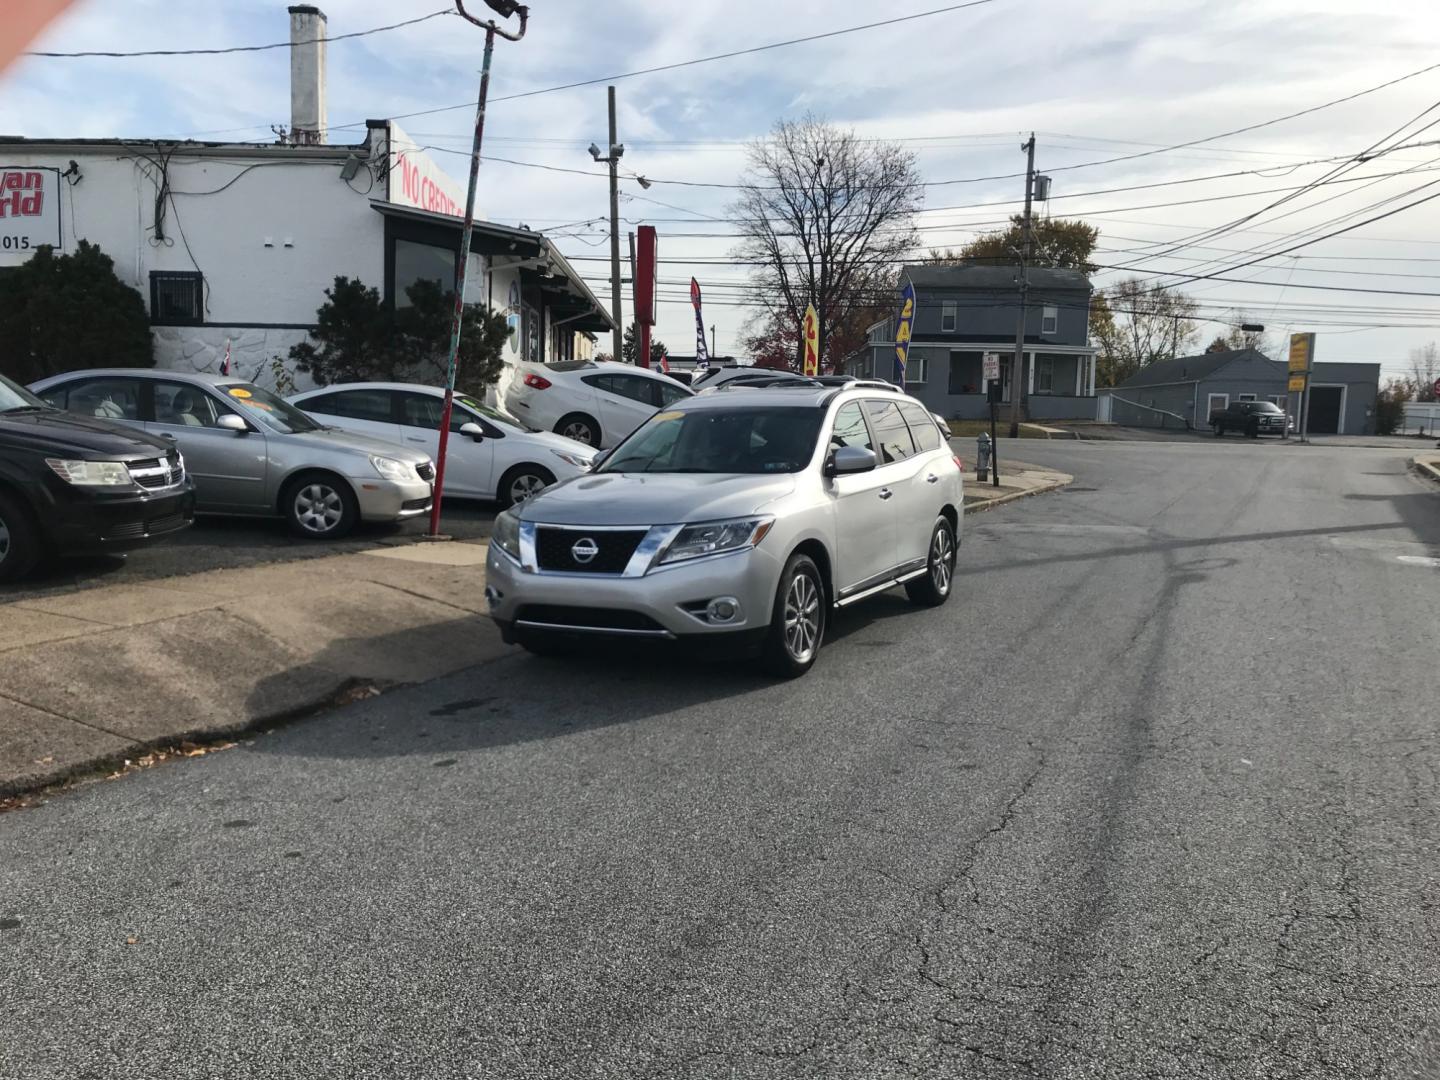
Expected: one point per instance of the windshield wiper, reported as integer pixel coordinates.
(26, 408)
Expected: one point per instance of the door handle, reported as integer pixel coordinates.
(167, 435)
(412, 438)
(932, 479)
(885, 493)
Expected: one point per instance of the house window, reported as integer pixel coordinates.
(422, 262)
(966, 373)
(1044, 374)
(1278, 399)
(1244, 397)
(1049, 320)
(914, 370)
(177, 298)
(947, 316)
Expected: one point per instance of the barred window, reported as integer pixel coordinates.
(177, 298)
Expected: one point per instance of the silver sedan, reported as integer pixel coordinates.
(251, 453)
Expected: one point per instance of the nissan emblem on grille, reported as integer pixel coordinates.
(584, 550)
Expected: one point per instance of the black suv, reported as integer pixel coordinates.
(74, 485)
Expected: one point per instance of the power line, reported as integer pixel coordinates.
(241, 48)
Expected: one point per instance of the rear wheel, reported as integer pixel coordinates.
(319, 506)
(797, 626)
(933, 589)
(579, 427)
(19, 544)
(521, 482)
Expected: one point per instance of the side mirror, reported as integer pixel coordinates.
(231, 422)
(851, 459)
(474, 430)
(600, 458)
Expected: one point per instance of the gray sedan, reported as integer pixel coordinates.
(251, 453)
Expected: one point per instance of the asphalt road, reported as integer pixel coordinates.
(1154, 796)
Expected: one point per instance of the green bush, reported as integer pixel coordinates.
(359, 339)
(65, 312)
(1390, 407)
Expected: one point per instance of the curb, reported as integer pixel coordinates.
(981, 506)
(1429, 470)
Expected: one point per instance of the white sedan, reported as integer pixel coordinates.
(596, 402)
(489, 455)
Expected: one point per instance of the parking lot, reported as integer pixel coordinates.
(216, 543)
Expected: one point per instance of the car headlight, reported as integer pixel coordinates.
(394, 470)
(716, 538)
(506, 534)
(575, 461)
(91, 473)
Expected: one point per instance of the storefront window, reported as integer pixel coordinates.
(419, 262)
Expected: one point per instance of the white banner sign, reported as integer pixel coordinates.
(415, 179)
(992, 367)
(29, 210)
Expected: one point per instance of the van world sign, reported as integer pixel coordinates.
(29, 209)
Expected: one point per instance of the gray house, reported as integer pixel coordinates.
(1183, 392)
(963, 312)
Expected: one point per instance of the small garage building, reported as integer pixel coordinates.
(1183, 392)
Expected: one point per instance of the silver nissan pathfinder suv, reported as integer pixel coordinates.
(739, 518)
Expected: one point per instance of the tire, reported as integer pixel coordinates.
(790, 648)
(520, 482)
(934, 588)
(19, 542)
(579, 427)
(1219, 429)
(319, 506)
(1252, 431)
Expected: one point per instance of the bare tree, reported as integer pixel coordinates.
(1424, 370)
(1144, 323)
(822, 213)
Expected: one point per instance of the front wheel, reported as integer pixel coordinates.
(521, 482)
(19, 545)
(933, 589)
(320, 507)
(1219, 431)
(797, 625)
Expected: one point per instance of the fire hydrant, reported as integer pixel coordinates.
(982, 456)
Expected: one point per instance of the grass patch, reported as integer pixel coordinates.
(963, 429)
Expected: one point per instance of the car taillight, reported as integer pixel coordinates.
(537, 382)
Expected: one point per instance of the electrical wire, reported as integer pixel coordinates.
(240, 48)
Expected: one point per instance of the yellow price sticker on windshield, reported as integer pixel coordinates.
(239, 392)
(669, 415)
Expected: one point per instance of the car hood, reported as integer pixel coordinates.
(336, 439)
(654, 498)
(56, 432)
(550, 441)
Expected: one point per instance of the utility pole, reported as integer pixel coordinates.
(505, 9)
(614, 160)
(1017, 363)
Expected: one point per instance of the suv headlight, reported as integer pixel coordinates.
(506, 534)
(394, 470)
(91, 473)
(716, 538)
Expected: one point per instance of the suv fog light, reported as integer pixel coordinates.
(493, 595)
(723, 609)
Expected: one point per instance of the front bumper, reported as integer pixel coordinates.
(80, 521)
(664, 603)
(390, 500)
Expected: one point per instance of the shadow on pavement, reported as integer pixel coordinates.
(511, 697)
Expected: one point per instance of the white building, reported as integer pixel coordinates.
(238, 242)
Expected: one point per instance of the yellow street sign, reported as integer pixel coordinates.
(1302, 352)
(1297, 383)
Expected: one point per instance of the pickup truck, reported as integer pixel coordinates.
(1254, 418)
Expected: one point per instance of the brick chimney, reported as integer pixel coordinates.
(307, 75)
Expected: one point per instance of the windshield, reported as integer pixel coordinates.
(15, 398)
(721, 441)
(1265, 407)
(494, 415)
(267, 410)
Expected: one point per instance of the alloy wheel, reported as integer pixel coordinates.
(577, 430)
(318, 507)
(802, 618)
(525, 485)
(942, 561)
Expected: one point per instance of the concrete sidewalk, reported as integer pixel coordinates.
(92, 678)
(1427, 465)
(96, 678)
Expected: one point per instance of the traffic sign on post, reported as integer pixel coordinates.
(992, 367)
(1437, 389)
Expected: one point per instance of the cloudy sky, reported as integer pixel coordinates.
(1095, 79)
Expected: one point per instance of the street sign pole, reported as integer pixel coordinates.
(993, 391)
